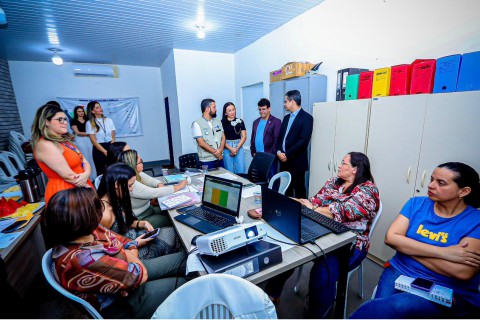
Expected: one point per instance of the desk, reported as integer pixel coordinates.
(23, 257)
(293, 257)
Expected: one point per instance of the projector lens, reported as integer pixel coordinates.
(251, 232)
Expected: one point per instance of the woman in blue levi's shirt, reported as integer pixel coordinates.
(436, 238)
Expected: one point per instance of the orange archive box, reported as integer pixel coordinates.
(423, 74)
(276, 75)
(365, 85)
(296, 69)
(381, 82)
(400, 80)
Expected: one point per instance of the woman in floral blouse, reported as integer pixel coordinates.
(103, 267)
(350, 198)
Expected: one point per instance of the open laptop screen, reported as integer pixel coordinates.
(222, 194)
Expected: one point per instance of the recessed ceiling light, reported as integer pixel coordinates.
(200, 31)
(56, 58)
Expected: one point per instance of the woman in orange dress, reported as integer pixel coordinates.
(56, 154)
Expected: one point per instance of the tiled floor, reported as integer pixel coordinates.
(42, 302)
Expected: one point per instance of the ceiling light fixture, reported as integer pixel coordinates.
(3, 17)
(200, 31)
(56, 59)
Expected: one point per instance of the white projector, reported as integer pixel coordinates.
(218, 242)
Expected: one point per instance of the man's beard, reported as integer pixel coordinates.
(213, 115)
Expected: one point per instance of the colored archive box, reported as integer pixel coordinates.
(423, 72)
(446, 74)
(351, 92)
(365, 85)
(381, 82)
(469, 76)
(400, 80)
(342, 81)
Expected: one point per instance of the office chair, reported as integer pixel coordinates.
(359, 268)
(12, 160)
(97, 181)
(47, 266)
(217, 296)
(189, 160)
(16, 140)
(259, 168)
(285, 178)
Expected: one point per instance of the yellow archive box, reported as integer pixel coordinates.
(381, 82)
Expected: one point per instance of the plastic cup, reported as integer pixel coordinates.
(257, 196)
(204, 168)
(164, 172)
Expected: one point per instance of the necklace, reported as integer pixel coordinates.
(74, 149)
(234, 124)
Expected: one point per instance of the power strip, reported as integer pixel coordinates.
(437, 294)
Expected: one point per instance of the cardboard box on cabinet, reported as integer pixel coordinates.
(295, 69)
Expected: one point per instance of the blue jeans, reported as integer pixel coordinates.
(391, 303)
(235, 164)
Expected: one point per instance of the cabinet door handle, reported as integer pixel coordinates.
(424, 174)
(409, 171)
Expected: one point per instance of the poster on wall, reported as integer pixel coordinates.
(123, 112)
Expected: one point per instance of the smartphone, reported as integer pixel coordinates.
(15, 226)
(213, 169)
(152, 234)
(422, 284)
(187, 208)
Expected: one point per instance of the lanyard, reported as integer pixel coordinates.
(74, 149)
(103, 129)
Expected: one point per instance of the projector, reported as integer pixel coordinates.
(221, 241)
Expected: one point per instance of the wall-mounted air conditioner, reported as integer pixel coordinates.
(95, 70)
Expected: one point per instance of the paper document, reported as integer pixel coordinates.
(7, 238)
(5, 223)
(248, 192)
(227, 175)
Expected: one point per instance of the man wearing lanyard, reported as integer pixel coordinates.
(292, 144)
(208, 132)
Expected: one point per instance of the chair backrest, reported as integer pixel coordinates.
(285, 178)
(375, 220)
(12, 161)
(7, 168)
(97, 181)
(217, 296)
(15, 145)
(260, 167)
(189, 160)
(47, 266)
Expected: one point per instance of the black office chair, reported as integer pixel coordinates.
(189, 160)
(259, 168)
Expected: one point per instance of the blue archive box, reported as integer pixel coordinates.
(446, 74)
(469, 76)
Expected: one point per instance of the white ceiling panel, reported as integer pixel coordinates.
(141, 32)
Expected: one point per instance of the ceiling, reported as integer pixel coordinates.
(140, 32)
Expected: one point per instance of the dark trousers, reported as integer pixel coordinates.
(297, 187)
(99, 159)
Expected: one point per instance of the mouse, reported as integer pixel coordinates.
(194, 239)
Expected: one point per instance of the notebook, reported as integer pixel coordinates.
(285, 215)
(220, 206)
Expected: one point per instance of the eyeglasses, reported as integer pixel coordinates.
(61, 120)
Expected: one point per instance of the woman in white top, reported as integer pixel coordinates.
(101, 131)
(145, 189)
(78, 125)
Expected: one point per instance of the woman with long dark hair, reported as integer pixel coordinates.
(103, 267)
(235, 135)
(101, 131)
(114, 192)
(352, 199)
(56, 153)
(437, 238)
(82, 140)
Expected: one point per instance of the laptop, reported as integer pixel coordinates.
(285, 215)
(220, 206)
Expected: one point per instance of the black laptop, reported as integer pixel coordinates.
(285, 215)
(220, 206)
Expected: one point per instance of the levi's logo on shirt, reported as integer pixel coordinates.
(442, 236)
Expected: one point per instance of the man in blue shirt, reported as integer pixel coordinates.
(292, 144)
(265, 132)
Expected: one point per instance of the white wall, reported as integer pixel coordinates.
(201, 75)
(170, 90)
(362, 33)
(35, 83)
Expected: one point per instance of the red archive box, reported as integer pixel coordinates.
(423, 74)
(400, 80)
(365, 85)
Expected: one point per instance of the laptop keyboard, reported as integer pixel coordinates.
(210, 217)
(334, 226)
(307, 234)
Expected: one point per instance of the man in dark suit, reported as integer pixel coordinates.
(292, 144)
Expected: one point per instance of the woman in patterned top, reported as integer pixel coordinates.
(352, 199)
(101, 266)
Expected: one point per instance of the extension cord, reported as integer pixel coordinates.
(437, 294)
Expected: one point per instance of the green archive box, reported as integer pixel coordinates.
(351, 91)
